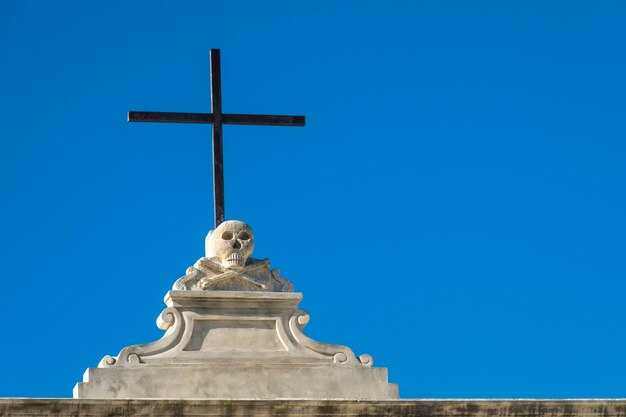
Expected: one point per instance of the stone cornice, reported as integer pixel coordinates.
(41, 407)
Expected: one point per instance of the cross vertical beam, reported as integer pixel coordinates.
(218, 151)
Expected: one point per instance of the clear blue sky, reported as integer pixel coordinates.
(455, 205)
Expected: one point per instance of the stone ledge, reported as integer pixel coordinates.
(41, 407)
(237, 381)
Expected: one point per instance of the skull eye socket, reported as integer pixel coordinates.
(227, 235)
(244, 236)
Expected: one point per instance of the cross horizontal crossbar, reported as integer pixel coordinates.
(208, 118)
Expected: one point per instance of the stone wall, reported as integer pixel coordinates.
(304, 408)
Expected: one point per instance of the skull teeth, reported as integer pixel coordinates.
(235, 259)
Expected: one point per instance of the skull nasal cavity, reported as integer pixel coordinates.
(236, 244)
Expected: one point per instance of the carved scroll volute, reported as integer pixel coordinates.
(340, 354)
(171, 320)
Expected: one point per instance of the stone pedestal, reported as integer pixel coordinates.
(235, 344)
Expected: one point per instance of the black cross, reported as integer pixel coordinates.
(217, 118)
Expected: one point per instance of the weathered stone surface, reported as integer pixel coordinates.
(235, 344)
(228, 381)
(311, 408)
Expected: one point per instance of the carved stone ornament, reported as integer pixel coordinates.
(247, 343)
(228, 265)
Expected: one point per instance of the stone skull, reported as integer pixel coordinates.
(230, 244)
